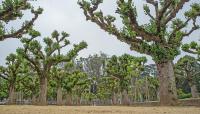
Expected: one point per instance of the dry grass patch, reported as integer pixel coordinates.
(96, 110)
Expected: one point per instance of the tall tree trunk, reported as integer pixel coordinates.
(114, 99)
(11, 98)
(194, 91)
(43, 91)
(167, 90)
(59, 94)
(78, 100)
(135, 94)
(125, 98)
(69, 99)
(34, 102)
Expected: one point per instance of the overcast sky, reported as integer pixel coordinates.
(65, 15)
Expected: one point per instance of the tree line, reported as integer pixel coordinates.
(107, 80)
(161, 39)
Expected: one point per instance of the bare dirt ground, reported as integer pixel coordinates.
(96, 110)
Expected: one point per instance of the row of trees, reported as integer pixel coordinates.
(160, 38)
(39, 60)
(115, 80)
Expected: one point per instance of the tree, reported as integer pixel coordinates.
(76, 82)
(94, 65)
(43, 60)
(150, 70)
(81, 84)
(124, 68)
(187, 68)
(59, 74)
(30, 85)
(3, 89)
(149, 75)
(11, 73)
(11, 10)
(109, 87)
(160, 38)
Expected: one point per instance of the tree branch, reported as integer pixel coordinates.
(155, 4)
(175, 11)
(19, 32)
(4, 77)
(9, 12)
(34, 63)
(195, 27)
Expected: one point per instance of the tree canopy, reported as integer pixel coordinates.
(11, 10)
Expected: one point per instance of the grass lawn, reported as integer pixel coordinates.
(96, 110)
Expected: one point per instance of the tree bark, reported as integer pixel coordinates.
(147, 90)
(167, 90)
(79, 100)
(43, 91)
(11, 98)
(59, 95)
(114, 99)
(194, 91)
(34, 102)
(69, 99)
(125, 98)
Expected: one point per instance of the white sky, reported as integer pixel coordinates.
(65, 15)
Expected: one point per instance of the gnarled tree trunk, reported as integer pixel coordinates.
(59, 95)
(11, 98)
(167, 90)
(43, 91)
(194, 91)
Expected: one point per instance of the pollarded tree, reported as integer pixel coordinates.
(11, 10)
(124, 68)
(42, 60)
(187, 68)
(3, 89)
(59, 74)
(109, 86)
(160, 38)
(10, 73)
(82, 84)
(30, 85)
(77, 82)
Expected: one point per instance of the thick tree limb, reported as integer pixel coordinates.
(161, 13)
(20, 31)
(139, 30)
(175, 11)
(34, 64)
(114, 31)
(55, 49)
(137, 47)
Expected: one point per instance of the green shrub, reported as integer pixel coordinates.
(182, 95)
